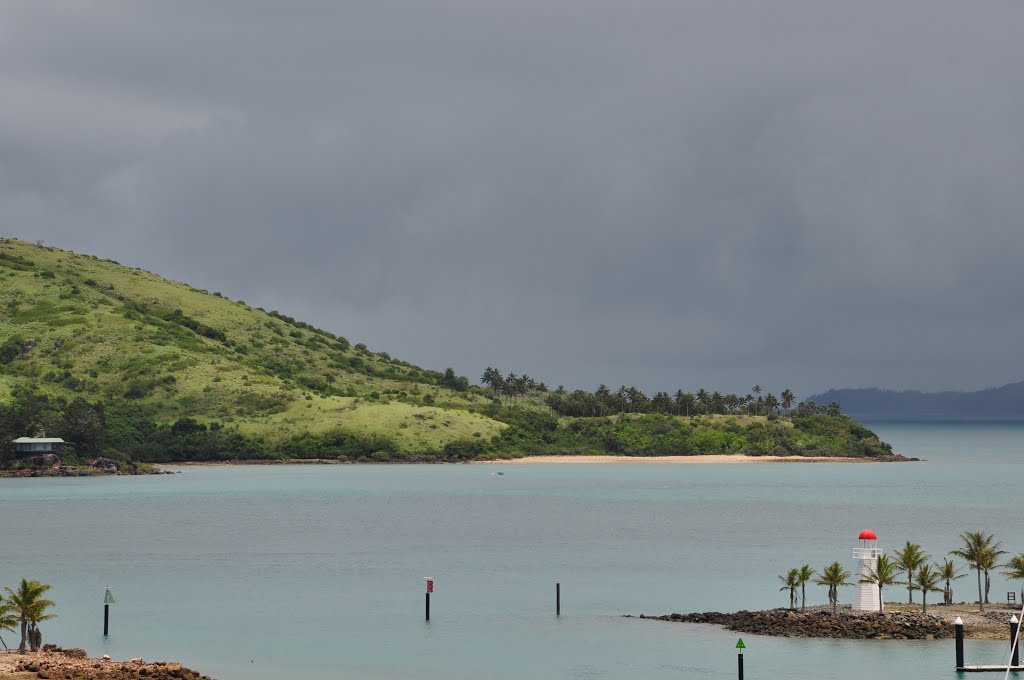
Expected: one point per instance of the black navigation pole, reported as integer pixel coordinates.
(108, 599)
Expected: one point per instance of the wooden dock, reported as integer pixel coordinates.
(988, 669)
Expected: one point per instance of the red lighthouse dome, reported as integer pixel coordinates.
(868, 535)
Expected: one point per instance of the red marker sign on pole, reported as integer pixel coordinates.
(430, 585)
(430, 589)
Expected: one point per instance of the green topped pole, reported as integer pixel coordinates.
(108, 599)
(740, 646)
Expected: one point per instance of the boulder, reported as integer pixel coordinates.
(104, 464)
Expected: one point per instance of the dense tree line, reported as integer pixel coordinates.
(656, 434)
(128, 431)
(603, 401)
(79, 422)
(122, 430)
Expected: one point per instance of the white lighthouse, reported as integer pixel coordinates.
(865, 595)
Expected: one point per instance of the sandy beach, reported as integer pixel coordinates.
(727, 459)
(684, 460)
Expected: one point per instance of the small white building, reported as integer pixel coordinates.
(865, 595)
(37, 446)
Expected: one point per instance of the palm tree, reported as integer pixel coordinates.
(39, 614)
(685, 402)
(662, 403)
(990, 560)
(756, 389)
(980, 550)
(909, 560)
(804, 574)
(8, 619)
(949, 572)
(492, 378)
(1014, 570)
(884, 574)
(787, 399)
(833, 576)
(791, 581)
(28, 603)
(508, 386)
(678, 399)
(926, 580)
(703, 398)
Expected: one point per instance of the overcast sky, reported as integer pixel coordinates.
(710, 193)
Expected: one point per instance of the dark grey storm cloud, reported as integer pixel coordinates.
(695, 193)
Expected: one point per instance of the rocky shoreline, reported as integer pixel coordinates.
(74, 664)
(96, 468)
(820, 623)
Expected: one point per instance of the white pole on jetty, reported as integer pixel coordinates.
(867, 552)
(1014, 651)
(958, 629)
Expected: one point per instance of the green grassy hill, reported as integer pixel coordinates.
(90, 327)
(126, 363)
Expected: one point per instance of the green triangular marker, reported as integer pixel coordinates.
(740, 645)
(108, 598)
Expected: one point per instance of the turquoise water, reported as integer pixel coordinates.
(316, 571)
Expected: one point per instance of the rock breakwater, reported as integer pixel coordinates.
(73, 664)
(822, 624)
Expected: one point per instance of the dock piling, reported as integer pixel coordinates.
(1014, 647)
(958, 628)
(558, 599)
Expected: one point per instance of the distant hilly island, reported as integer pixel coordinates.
(123, 364)
(994, 404)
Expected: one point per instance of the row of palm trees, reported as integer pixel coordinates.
(979, 549)
(25, 608)
(833, 576)
(604, 402)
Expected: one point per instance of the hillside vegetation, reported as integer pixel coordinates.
(126, 364)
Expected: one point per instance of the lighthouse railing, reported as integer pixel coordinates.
(867, 553)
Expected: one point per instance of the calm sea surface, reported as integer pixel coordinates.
(317, 571)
